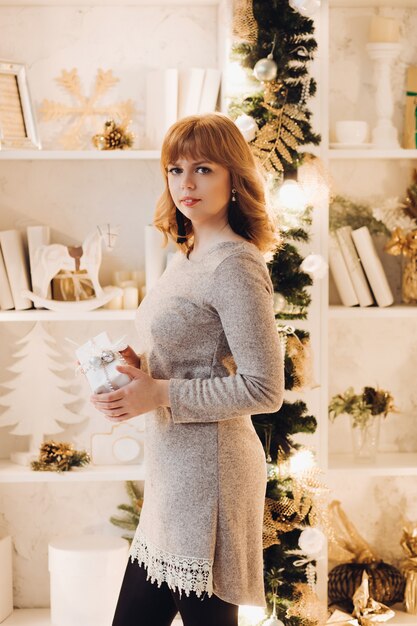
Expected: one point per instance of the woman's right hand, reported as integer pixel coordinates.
(130, 357)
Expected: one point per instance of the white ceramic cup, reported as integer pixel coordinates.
(351, 131)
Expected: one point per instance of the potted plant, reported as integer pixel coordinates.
(365, 410)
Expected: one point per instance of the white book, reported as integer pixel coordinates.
(353, 263)
(6, 298)
(161, 105)
(210, 91)
(341, 274)
(14, 255)
(190, 86)
(37, 236)
(372, 266)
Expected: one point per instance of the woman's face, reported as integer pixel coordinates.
(201, 190)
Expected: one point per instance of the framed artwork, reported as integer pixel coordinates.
(17, 121)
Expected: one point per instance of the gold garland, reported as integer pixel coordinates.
(307, 606)
(244, 26)
(307, 506)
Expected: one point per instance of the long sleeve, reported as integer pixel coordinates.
(240, 293)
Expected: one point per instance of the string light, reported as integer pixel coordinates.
(292, 196)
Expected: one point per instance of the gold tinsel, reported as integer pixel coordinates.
(299, 351)
(307, 606)
(308, 505)
(244, 26)
(59, 457)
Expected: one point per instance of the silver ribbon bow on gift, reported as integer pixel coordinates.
(100, 357)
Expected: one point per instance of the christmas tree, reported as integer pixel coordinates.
(274, 44)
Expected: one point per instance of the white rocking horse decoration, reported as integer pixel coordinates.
(51, 259)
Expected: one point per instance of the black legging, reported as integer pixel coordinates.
(142, 603)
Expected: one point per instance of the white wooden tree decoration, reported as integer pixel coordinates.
(48, 260)
(37, 402)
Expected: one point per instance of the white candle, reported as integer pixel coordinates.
(384, 30)
(130, 298)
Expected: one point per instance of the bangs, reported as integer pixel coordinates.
(192, 142)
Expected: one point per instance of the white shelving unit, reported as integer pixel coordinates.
(12, 473)
(374, 312)
(386, 464)
(79, 155)
(41, 315)
(42, 617)
(371, 154)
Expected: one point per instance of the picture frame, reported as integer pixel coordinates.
(17, 121)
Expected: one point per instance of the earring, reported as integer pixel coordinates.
(234, 192)
(180, 227)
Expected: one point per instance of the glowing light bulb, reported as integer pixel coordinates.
(250, 615)
(302, 461)
(292, 196)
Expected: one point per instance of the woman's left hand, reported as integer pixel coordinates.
(137, 397)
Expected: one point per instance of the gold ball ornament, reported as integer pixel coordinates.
(265, 69)
(100, 142)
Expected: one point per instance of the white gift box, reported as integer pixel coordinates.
(98, 360)
(6, 578)
(86, 574)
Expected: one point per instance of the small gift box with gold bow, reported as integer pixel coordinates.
(405, 243)
(98, 360)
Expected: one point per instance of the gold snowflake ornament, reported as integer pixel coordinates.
(78, 135)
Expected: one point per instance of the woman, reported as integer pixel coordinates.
(209, 359)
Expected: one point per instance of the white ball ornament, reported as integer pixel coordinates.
(247, 126)
(265, 69)
(305, 7)
(315, 266)
(273, 621)
(311, 541)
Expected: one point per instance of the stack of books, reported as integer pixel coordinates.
(357, 269)
(172, 94)
(17, 272)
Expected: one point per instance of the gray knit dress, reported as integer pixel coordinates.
(209, 327)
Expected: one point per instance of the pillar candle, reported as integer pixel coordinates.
(384, 30)
(130, 298)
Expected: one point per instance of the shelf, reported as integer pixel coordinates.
(42, 617)
(79, 155)
(41, 315)
(371, 154)
(388, 312)
(100, 3)
(12, 473)
(386, 464)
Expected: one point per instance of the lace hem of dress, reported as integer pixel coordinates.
(184, 573)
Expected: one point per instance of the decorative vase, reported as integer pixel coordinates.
(365, 438)
(409, 279)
